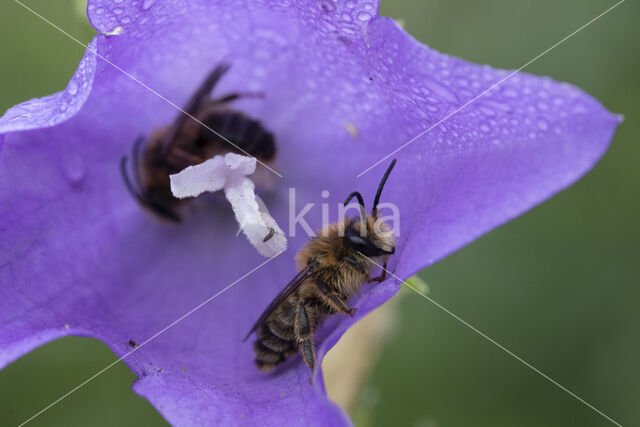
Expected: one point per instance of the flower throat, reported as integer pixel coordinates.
(205, 128)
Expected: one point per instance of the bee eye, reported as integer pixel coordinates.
(365, 246)
(357, 242)
(362, 245)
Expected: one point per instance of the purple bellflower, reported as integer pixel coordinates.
(342, 88)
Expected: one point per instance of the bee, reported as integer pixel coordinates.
(332, 267)
(186, 142)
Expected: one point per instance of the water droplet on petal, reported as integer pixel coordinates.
(487, 111)
(328, 6)
(72, 89)
(115, 32)
(542, 125)
(73, 169)
(441, 91)
(146, 4)
(510, 93)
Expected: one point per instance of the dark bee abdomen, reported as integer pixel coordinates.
(246, 133)
(276, 342)
(277, 339)
(271, 349)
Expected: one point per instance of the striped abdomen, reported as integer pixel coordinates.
(278, 338)
(244, 132)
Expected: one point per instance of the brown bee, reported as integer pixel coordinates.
(186, 142)
(333, 265)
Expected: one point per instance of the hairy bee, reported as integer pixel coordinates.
(332, 267)
(186, 142)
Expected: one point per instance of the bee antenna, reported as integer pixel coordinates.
(357, 195)
(374, 210)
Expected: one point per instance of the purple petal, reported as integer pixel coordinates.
(78, 256)
(54, 109)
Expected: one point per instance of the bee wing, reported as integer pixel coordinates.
(284, 293)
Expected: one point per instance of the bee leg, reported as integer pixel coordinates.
(382, 277)
(237, 95)
(204, 90)
(303, 327)
(194, 104)
(334, 300)
(178, 156)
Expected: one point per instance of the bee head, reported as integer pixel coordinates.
(375, 240)
(370, 236)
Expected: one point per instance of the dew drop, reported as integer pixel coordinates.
(364, 16)
(328, 6)
(580, 109)
(487, 111)
(542, 125)
(73, 169)
(330, 26)
(441, 91)
(115, 32)
(72, 89)
(146, 4)
(510, 93)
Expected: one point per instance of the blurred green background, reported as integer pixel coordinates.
(559, 286)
